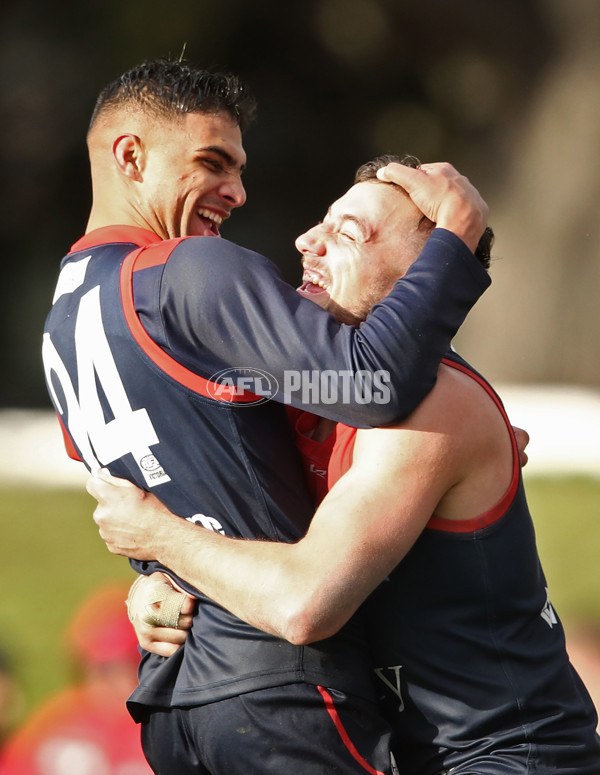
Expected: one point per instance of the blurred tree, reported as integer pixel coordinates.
(337, 82)
(540, 321)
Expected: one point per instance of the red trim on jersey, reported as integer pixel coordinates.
(499, 509)
(157, 256)
(315, 455)
(108, 234)
(205, 387)
(333, 714)
(68, 441)
(341, 460)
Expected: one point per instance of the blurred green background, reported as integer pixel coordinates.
(54, 556)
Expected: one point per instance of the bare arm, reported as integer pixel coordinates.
(444, 459)
(301, 592)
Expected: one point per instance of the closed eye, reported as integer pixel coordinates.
(213, 164)
(224, 161)
(352, 228)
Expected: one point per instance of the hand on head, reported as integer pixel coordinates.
(444, 196)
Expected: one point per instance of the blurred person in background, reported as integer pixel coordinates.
(84, 728)
(583, 645)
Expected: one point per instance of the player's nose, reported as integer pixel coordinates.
(233, 192)
(311, 242)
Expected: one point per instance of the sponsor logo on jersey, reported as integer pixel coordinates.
(149, 463)
(391, 679)
(547, 612)
(210, 523)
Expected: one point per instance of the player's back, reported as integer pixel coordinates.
(137, 407)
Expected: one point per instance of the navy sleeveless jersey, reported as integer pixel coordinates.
(138, 327)
(470, 654)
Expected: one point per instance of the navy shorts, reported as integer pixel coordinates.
(297, 728)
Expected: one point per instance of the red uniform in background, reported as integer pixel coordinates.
(85, 729)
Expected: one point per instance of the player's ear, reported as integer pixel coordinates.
(128, 152)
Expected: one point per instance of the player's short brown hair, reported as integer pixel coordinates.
(368, 172)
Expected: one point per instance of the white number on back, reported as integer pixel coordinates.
(101, 441)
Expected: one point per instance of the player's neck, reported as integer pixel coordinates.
(101, 217)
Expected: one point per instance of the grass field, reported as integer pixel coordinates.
(52, 557)
(566, 513)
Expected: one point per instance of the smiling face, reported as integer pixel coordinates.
(191, 175)
(368, 239)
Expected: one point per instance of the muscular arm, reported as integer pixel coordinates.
(452, 457)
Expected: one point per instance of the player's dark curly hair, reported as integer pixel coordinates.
(368, 172)
(169, 89)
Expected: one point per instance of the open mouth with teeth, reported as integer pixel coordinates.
(313, 286)
(210, 223)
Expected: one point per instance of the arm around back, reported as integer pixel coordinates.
(451, 458)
